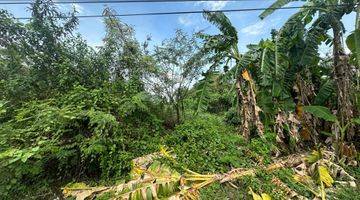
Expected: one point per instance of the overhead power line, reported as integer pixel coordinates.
(7, 2)
(193, 12)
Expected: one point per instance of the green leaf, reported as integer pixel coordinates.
(353, 43)
(313, 157)
(324, 93)
(327, 133)
(8, 153)
(356, 120)
(2, 108)
(272, 8)
(321, 112)
(26, 156)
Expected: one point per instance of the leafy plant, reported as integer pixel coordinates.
(205, 144)
(325, 113)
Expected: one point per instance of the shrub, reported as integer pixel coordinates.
(83, 134)
(232, 117)
(205, 144)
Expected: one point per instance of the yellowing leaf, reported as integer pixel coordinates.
(274, 166)
(301, 178)
(246, 75)
(255, 196)
(165, 152)
(325, 176)
(265, 196)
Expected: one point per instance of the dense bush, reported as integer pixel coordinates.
(232, 117)
(83, 134)
(205, 144)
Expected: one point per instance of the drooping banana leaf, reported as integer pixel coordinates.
(321, 112)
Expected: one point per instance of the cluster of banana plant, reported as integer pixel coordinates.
(339, 130)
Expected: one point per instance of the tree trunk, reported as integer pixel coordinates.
(243, 110)
(177, 109)
(342, 76)
(247, 107)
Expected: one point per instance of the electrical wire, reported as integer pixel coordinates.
(7, 2)
(192, 12)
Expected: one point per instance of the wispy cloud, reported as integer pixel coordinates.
(185, 20)
(213, 5)
(254, 29)
(261, 27)
(70, 7)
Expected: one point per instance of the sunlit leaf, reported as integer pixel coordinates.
(254, 195)
(313, 157)
(324, 176)
(245, 74)
(265, 196)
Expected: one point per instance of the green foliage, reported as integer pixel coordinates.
(263, 147)
(209, 96)
(345, 193)
(179, 64)
(221, 192)
(353, 42)
(321, 112)
(286, 176)
(2, 108)
(54, 139)
(232, 117)
(272, 8)
(325, 92)
(205, 144)
(227, 29)
(70, 113)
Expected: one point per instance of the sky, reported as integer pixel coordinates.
(251, 29)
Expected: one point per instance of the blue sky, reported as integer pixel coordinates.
(250, 28)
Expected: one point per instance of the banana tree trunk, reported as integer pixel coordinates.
(342, 76)
(243, 109)
(247, 106)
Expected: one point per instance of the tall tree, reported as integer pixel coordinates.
(44, 44)
(125, 59)
(179, 64)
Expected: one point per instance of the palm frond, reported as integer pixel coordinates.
(324, 93)
(277, 4)
(313, 39)
(220, 20)
(266, 67)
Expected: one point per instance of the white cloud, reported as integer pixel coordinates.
(262, 26)
(185, 20)
(213, 5)
(254, 29)
(71, 7)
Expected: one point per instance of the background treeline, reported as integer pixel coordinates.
(70, 113)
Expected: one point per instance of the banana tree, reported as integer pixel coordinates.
(224, 49)
(340, 130)
(321, 16)
(353, 42)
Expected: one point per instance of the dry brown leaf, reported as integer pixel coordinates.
(245, 74)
